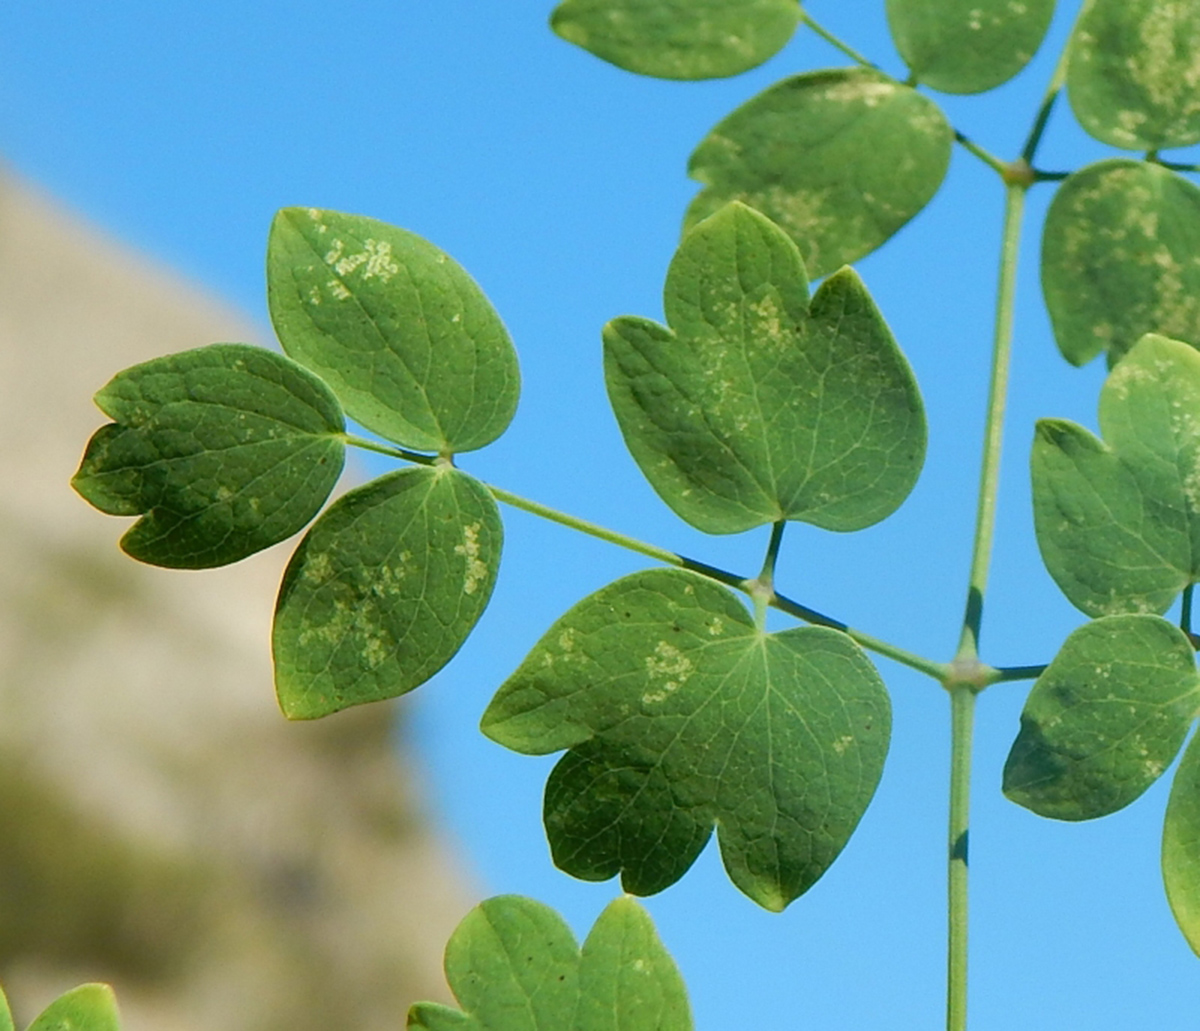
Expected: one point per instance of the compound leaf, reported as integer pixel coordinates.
(1181, 846)
(1121, 257)
(758, 405)
(223, 451)
(384, 589)
(1134, 73)
(514, 966)
(1105, 719)
(679, 39)
(840, 159)
(679, 714)
(90, 1007)
(397, 328)
(968, 46)
(1118, 522)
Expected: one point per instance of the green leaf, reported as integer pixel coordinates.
(406, 339)
(679, 39)
(758, 405)
(679, 714)
(1118, 522)
(384, 589)
(514, 966)
(1134, 73)
(6, 1020)
(90, 1007)
(1105, 719)
(840, 159)
(1181, 846)
(223, 451)
(968, 46)
(1119, 259)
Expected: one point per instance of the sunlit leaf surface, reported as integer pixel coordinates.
(514, 966)
(1118, 520)
(679, 715)
(968, 46)
(679, 39)
(223, 451)
(384, 589)
(839, 159)
(406, 339)
(1134, 74)
(1121, 258)
(759, 404)
(1105, 719)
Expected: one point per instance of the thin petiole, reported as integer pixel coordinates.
(389, 450)
(767, 576)
(1185, 614)
(1057, 80)
(1039, 124)
(591, 529)
(1175, 166)
(1004, 673)
(762, 587)
(985, 156)
(832, 40)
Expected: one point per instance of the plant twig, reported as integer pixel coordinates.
(962, 719)
(388, 449)
(832, 40)
(989, 477)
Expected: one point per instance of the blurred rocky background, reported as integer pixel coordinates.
(162, 827)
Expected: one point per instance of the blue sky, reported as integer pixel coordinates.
(559, 183)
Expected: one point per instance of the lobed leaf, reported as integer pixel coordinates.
(384, 589)
(679, 39)
(222, 450)
(1118, 522)
(1121, 258)
(406, 339)
(90, 1007)
(839, 159)
(1134, 73)
(968, 47)
(514, 966)
(1105, 719)
(679, 714)
(759, 405)
(1181, 846)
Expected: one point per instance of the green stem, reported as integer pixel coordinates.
(985, 156)
(762, 587)
(592, 529)
(388, 449)
(767, 576)
(1057, 81)
(1175, 166)
(831, 39)
(962, 719)
(989, 477)
(1018, 673)
(1185, 616)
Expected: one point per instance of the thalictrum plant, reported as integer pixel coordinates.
(761, 401)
